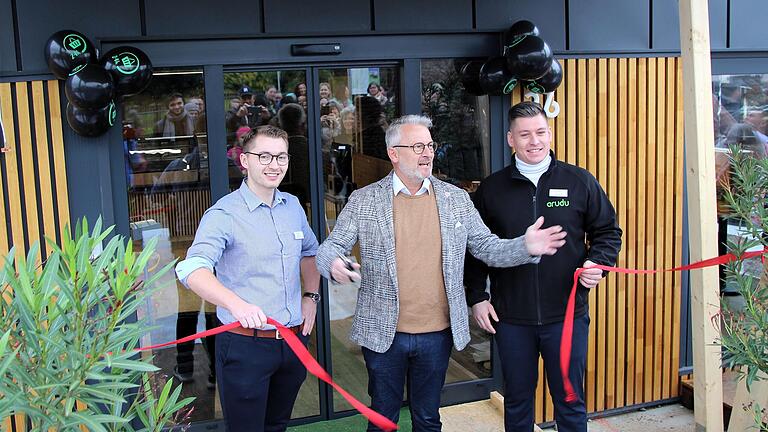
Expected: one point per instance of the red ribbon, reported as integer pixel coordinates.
(306, 359)
(566, 341)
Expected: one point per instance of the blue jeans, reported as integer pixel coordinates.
(519, 349)
(423, 358)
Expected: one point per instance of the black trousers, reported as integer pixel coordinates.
(258, 380)
(186, 324)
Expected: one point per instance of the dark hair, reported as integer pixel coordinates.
(292, 117)
(174, 96)
(267, 131)
(525, 109)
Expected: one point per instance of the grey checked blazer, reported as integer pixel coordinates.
(367, 218)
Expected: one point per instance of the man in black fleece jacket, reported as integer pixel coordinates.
(527, 303)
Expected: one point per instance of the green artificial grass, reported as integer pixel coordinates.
(351, 424)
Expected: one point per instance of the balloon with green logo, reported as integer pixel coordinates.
(549, 81)
(130, 69)
(91, 122)
(517, 31)
(68, 51)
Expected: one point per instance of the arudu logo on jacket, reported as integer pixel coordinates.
(560, 203)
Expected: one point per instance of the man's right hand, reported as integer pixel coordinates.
(249, 316)
(341, 274)
(482, 313)
(544, 241)
(243, 110)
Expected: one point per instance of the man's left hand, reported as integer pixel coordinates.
(308, 313)
(591, 276)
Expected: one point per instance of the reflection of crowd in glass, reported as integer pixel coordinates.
(343, 118)
(740, 111)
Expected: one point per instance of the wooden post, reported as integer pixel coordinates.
(702, 217)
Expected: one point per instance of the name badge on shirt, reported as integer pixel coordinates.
(298, 235)
(560, 193)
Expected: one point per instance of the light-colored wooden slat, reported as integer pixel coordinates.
(43, 161)
(540, 398)
(7, 118)
(621, 209)
(12, 174)
(59, 165)
(640, 338)
(26, 153)
(571, 112)
(630, 230)
(676, 292)
(667, 162)
(658, 206)
(650, 227)
(598, 158)
(560, 125)
(613, 194)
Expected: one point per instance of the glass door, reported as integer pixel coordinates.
(356, 104)
(336, 117)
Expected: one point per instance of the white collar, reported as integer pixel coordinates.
(398, 186)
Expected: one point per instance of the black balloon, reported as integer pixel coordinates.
(91, 87)
(549, 82)
(130, 68)
(495, 79)
(91, 122)
(530, 58)
(67, 51)
(517, 31)
(470, 77)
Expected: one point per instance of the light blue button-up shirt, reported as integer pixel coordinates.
(256, 250)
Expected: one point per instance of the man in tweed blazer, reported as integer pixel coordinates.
(413, 231)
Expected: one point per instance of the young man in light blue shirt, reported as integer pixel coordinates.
(259, 243)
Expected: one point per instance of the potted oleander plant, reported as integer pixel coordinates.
(744, 324)
(67, 357)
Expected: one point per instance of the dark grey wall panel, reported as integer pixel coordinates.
(302, 16)
(748, 24)
(608, 25)
(38, 19)
(202, 17)
(278, 50)
(548, 15)
(422, 15)
(666, 24)
(7, 44)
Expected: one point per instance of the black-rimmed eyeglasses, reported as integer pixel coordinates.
(418, 147)
(266, 158)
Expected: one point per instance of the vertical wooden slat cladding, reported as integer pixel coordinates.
(621, 119)
(34, 166)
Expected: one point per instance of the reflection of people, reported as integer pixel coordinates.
(173, 183)
(413, 230)
(134, 161)
(528, 302)
(375, 91)
(259, 243)
(372, 134)
(177, 121)
(234, 152)
(744, 137)
(293, 120)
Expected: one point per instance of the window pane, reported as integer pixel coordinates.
(253, 99)
(460, 125)
(166, 167)
(357, 104)
(740, 118)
